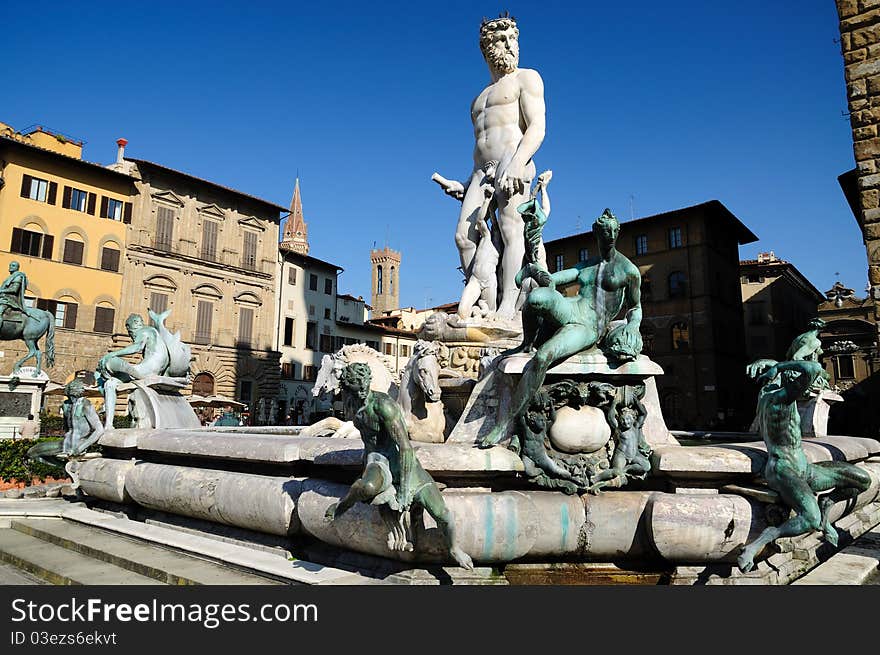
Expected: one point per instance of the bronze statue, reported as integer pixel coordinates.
(787, 471)
(82, 429)
(18, 321)
(559, 326)
(392, 477)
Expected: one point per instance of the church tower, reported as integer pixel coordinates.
(296, 232)
(385, 294)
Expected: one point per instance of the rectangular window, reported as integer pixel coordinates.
(291, 275)
(73, 252)
(288, 331)
(389, 348)
(374, 345)
(38, 189)
(326, 343)
(560, 262)
(328, 286)
(583, 255)
(111, 208)
(158, 302)
(204, 318)
(109, 259)
(845, 367)
(327, 312)
(33, 244)
(311, 310)
(79, 200)
(164, 228)
(249, 251)
(310, 373)
(313, 282)
(245, 325)
(642, 244)
(404, 350)
(311, 335)
(209, 240)
(104, 319)
(288, 370)
(247, 390)
(675, 237)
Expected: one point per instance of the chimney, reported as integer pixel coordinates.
(120, 153)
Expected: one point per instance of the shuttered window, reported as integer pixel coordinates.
(245, 325)
(111, 208)
(209, 240)
(38, 189)
(109, 259)
(104, 319)
(164, 228)
(33, 244)
(70, 312)
(158, 302)
(73, 252)
(249, 251)
(291, 275)
(204, 316)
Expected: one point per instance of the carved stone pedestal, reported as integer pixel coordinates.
(19, 396)
(156, 402)
(814, 413)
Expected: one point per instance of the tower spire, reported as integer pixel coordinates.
(296, 232)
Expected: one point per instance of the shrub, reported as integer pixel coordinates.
(15, 465)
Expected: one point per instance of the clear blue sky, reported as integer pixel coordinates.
(673, 103)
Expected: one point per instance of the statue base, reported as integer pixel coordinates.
(156, 402)
(21, 395)
(492, 393)
(814, 412)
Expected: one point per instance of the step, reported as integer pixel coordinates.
(60, 566)
(146, 559)
(854, 565)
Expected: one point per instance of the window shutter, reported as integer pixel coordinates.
(17, 234)
(249, 257)
(209, 240)
(245, 324)
(73, 252)
(65, 199)
(104, 201)
(109, 259)
(203, 322)
(91, 203)
(25, 186)
(70, 315)
(158, 302)
(53, 192)
(48, 243)
(291, 275)
(126, 214)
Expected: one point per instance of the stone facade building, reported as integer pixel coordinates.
(385, 277)
(692, 311)
(208, 254)
(64, 220)
(860, 46)
(778, 302)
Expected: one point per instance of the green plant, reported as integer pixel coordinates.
(15, 465)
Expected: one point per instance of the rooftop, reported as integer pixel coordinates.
(144, 162)
(716, 207)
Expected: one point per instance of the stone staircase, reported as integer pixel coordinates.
(66, 553)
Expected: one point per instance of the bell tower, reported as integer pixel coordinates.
(385, 293)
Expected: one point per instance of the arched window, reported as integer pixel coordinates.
(379, 280)
(680, 336)
(677, 284)
(391, 281)
(203, 385)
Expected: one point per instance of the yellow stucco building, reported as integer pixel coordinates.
(64, 220)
